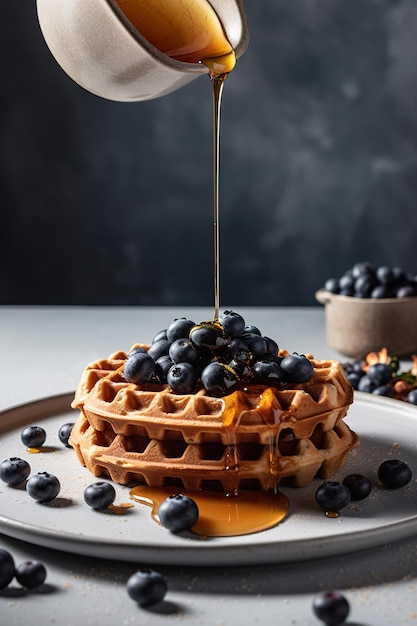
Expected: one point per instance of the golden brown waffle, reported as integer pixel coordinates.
(254, 438)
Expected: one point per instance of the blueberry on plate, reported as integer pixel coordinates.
(366, 385)
(380, 373)
(332, 495)
(14, 471)
(412, 396)
(31, 574)
(147, 587)
(359, 486)
(99, 495)
(331, 607)
(384, 390)
(394, 473)
(178, 513)
(43, 487)
(7, 568)
(33, 436)
(64, 433)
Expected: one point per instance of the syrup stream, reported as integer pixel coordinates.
(217, 86)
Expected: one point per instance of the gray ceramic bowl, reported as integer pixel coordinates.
(97, 46)
(357, 326)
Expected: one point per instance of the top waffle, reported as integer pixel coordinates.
(267, 435)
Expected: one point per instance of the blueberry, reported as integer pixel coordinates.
(385, 275)
(135, 351)
(182, 378)
(380, 373)
(297, 368)
(252, 330)
(139, 368)
(412, 396)
(399, 275)
(406, 291)
(363, 285)
(31, 574)
(332, 285)
(7, 568)
(99, 495)
(182, 351)
(179, 328)
(14, 471)
(347, 292)
(209, 335)
(162, 334)
(255, 344)
(346, 283)
(384, 390)
(333, 496)
(238, 350)
(241, 368)
(354, 379)
(331, 607)
(43, 487)
(267, 370)
(159, 348)
(232, 322)
(218, 378)
(33, 436)
(366, 384)
(365, 268)
(147, 587)
(359, 486)
(64, 433)
(162, 367)
(394, 473)
(178, 513)
(271, 346)
(382, 291)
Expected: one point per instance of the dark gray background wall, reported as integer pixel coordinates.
(111, 203)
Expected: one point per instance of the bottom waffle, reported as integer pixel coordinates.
(254, 438)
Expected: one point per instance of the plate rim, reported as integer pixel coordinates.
(268, 552)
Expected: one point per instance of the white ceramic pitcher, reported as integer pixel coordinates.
(100, 49)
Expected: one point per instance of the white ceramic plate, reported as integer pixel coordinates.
(387, 429)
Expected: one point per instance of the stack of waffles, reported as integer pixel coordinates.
(257, 437)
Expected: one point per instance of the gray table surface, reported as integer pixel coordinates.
(43, 352)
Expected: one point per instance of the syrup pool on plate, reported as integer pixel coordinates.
(222, 514)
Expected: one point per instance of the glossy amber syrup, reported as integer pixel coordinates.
(220, 514)
(186, 30)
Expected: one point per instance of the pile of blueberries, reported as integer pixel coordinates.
(380, 378)
(364, 280)
(216, 355)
